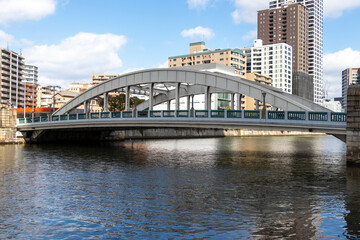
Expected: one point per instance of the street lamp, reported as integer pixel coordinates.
(53, 89)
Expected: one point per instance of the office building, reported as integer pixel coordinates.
(315, 8)
(350, 76)
(274, 60)
(12, 87)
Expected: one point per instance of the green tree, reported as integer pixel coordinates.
(117, 103)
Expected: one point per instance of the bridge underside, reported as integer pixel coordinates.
(154, 129)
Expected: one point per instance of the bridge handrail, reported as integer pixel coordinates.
(209, 114)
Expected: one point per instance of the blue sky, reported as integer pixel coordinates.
(69, 40)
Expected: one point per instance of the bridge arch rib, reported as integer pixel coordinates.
(220, 82)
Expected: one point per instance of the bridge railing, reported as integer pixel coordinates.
(231, 115)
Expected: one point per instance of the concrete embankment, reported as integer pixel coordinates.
(192, 133)
(8, 126)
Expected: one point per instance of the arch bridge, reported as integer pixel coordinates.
(164, 85)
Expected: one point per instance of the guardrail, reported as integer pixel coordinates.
(198, 114)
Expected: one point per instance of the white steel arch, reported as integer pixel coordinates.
(179, 77)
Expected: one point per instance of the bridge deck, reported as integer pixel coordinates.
(323, 122)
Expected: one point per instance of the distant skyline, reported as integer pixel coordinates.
(71, 40)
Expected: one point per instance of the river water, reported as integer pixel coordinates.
(216, 188)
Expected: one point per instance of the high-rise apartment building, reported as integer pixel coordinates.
(350, 76)
(30, 74)
(315, 8)
(289, 24)
(31, 82)
(12, 87)
(274, 60)
(199, 54)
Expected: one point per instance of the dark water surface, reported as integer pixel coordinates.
(225, 188)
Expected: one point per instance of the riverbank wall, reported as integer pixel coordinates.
(153, 133)
(8, 126)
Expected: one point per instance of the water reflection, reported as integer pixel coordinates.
(287, 187)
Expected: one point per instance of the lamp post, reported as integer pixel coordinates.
(53, 89)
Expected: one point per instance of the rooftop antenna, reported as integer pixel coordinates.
(20, 51)
(7, 45)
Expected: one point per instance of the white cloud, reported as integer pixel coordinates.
(334, 64)
(132, 70)
(5, 39)
(198, 32)
(246, 11)
(8, 40)
(163, 65)
(335, 8)
(198, 4)
(76, 58)
(23, 10)
(251, 35)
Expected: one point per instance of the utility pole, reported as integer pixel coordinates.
(53, 89)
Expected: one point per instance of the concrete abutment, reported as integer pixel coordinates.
(353, 125)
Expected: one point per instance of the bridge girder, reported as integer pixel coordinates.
(228, 84)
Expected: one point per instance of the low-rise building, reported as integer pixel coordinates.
(199, 54)
(44, 96)
(99, 78)
(250, 103)
(79, 87)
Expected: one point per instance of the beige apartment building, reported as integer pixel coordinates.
(234, 58)
(199, 54)
(251, 103)
(99, 78)
(12, 87)
(44, 96)
(62, 97)
(79, 87)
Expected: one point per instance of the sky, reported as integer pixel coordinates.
(69, 40)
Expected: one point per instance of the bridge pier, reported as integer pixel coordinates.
(353, 125)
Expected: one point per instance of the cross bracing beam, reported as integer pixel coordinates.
(188, 91)
(228, 84)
